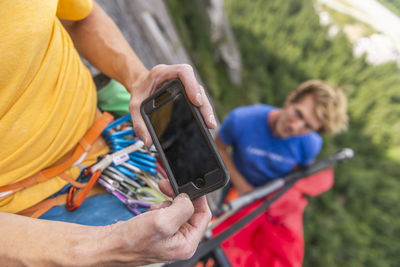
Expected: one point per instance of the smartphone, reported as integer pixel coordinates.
(185, 145)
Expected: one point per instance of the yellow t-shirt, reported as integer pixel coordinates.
(47, 96)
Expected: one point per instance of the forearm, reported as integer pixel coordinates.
(99, 40)
(170, 232)
(236, 178)
(238, 181)
(32, 242)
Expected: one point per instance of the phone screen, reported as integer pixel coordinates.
(182, 141)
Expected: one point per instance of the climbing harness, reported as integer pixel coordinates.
(130, 172)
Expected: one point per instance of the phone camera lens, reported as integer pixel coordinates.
(200, 182)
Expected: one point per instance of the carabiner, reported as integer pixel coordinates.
(72, 204)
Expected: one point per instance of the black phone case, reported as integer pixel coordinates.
(213, 180)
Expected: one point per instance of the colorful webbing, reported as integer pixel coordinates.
(82, 147)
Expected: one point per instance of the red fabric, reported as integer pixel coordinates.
(275, 238)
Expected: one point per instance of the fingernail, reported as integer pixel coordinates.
(212, 121)
(199, 99)
(183, 195)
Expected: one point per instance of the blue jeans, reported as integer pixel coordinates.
(97, 210)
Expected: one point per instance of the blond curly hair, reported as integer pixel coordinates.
(330, 104)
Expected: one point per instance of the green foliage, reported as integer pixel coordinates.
(282, 44)
(393, 5)
(191, 20)
(342, 20)
(356, 223)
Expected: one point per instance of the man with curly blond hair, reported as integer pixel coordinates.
(268, 142)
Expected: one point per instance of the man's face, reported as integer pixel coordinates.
(297, 119)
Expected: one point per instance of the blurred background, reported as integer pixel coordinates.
(257, 51)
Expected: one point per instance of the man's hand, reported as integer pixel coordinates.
(148, 82)
(99, 40)
(170, 231)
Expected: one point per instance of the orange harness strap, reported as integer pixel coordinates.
(82, 147)
(71, 181)
(42, 207)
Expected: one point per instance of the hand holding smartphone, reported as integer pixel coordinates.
(185, 145)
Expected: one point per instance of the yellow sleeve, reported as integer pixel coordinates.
(74, 9)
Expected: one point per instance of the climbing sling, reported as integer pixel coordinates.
(79, 153)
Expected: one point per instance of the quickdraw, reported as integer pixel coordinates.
(131, 172)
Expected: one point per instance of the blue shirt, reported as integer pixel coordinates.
(257, 153)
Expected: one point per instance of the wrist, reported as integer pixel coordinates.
(107, 246)
(134, 78)
(92, 248)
